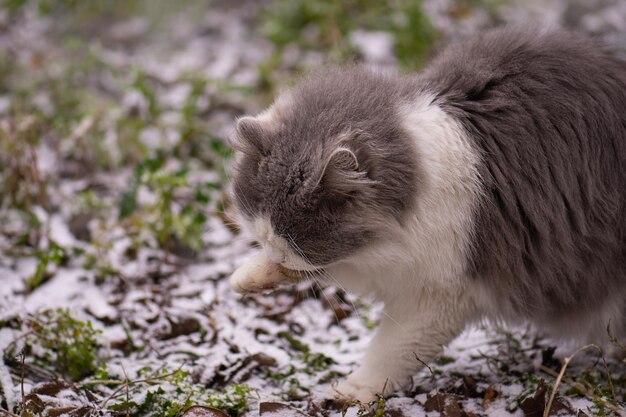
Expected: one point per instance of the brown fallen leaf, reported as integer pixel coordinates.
(447, 404)
(50, 388)
(490, 396)
(61, 411)
(33, 404)
(340, 310)
(271, 407)
(180, 326)
(263, 359)
(434, 402)
(81, 412)
(470, 387)
(535, 406)
(452, 408)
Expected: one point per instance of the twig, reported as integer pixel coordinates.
(126, 385)
(588, 393)
(138, 381)
(613, 338)
(13, 342)
(8, 413)
(423, 363)
(560, 378)
(99, 382)
(566, 361)
(22, 379)
(609, 376)
(385, 387)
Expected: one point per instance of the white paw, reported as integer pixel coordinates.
(364, 388)
(257, 274)
(350, 391)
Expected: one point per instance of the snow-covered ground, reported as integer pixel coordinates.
(150, 105)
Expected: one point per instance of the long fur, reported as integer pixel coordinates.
(491, 185)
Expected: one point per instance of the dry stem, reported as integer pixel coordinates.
(560, 377)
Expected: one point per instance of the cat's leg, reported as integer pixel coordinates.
(412, 332)
(257, 274)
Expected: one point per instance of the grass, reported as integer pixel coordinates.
(69, 348)
(58, 342)
(326, 25)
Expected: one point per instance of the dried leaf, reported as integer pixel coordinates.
(33, 403)
(434, 402)
(50, 388)
(451, 407)
(264, 359)
(490, 395)
(535, 406)
(470, 387)
(63, 411)
(180, 326)
(271, 407)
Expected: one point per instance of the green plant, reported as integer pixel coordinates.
(67, 345)
(326, 24)
(191, 123)
(167, 218)
(53, 254)
(21, 183)
(169, 400)
(233, 400)
(414, 34)
(142, 84)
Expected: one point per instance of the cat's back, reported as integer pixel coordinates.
(547, 56)
(546, 113)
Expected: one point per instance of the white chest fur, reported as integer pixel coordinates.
(430, 248)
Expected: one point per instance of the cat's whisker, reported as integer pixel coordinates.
(323, 273)
(327, 275)
(242, 198)
(308, 274)
(336, 282)
(327, 298)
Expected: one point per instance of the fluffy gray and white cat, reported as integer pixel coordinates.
(490, 185)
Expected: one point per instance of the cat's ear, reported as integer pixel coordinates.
(250, 136)
(342, 174)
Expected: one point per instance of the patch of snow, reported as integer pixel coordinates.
(151, 137)
(375, 46)
(60, 232)
(5, 104)
(11, 392)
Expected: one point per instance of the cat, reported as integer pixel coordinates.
(491, 185)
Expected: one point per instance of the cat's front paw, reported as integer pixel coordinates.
(256, 275)
(350, 391)
(364, 387)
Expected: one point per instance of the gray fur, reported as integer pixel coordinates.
(328, 207)
(547, 115)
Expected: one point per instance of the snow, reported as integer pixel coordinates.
(182, 313)
(376, 47)
(11, 392)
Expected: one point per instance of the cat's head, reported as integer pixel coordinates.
(321, 173)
